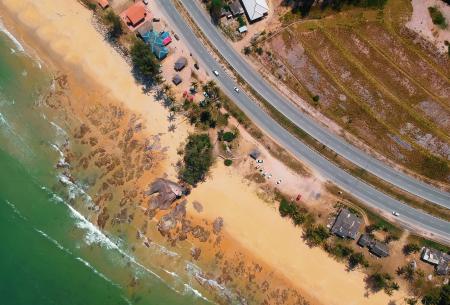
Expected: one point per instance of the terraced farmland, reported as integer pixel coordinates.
(374, 80)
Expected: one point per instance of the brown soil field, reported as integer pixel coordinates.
(374, 78)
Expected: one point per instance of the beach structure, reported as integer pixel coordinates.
(236, 8)
(255, 9)
(180, 64)
(104, 4)
(166, 39)
(379, 249)
(365, 240)
(177, 80)
(147, 26)
(243, 29)
(346, 225)
(437, 258)
(135, 15)
(254, 154)
(156, 43)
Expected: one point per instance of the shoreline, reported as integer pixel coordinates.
(292, 265)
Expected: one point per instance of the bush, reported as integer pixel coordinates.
(411, 248)
(241, 21)
(316, 98)
(228, 136)
(379, 281)
(114, 24)
(356, 259)
(316, 235)
(435, 167)
(89, 4)
(437, 17)
(215, 9)
(144, 62)
(197, 159)
(228, 162)
(339, 251)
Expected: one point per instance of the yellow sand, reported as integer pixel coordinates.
(64, 28)
(257, 227)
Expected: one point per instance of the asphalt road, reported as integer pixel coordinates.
(412, 219)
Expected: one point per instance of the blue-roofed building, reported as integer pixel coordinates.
(156, 43)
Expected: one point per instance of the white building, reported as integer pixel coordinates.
(255, 9)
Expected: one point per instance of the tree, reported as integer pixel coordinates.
(228, 162)
(411, 248)
(316, 235)
(215, 9)
(144, 62)
(356, 259)
(114, 24)
(197, 158)
(228, 136)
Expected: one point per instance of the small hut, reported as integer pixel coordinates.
(180, 64)
(177, 79)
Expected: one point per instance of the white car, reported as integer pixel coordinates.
(259, 161)
(395, 213)
(236, 89)
(216, 73)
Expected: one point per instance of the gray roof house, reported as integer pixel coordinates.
(255, 9)
(177, 79)
(346, 225)
(144, 28)
(379, 249)
(365, 240)
(180, 64)
(254, 154)
(236, 8)
(437, 258)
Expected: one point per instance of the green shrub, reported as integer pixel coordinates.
(437, 17)
(435, 167)
(316, 98)
(228, 136)
(411, 248)
(114, 24)
(241, 21)
(228, 162)
(144, 62)
(356, 259)
(316, 235)
(197, 159)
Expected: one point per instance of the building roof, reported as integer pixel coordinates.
(167, 40)
(379, 249)
(160, 51)
(103, 3)
(431, 255)
(346, 225)
(236, 8)
(255, 154)
(365, 240)
(136, 13)
(255, 9)
(242, 29)
(180, 64)
(145, 28)
(437, 258)
(177, 79)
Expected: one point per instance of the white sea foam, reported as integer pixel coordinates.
(54, 241)
(74, 189)
(15, 209)
(96, 271)
(163, 250)
(190, 289)
(59, 130)
(3, 29)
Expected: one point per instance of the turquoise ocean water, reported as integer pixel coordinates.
(49, 253)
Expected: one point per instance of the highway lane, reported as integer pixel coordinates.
(305, 122)
(411, 218)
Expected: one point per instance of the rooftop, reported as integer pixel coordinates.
(255, 9)
(346, 225)
(379, 249)
(437, 258)
(103, 3)
(236, 8)
(365, 240)
(180, 64)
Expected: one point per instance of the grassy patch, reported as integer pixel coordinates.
(437, 17)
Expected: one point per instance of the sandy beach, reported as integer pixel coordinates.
(65, 38)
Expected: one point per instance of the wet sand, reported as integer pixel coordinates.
(252, 230)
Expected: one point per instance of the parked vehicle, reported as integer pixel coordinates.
(395, 213)
(216, 73)
(236, 89)
(196, 66)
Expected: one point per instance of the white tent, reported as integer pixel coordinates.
(255, 8)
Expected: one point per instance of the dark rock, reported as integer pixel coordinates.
(217, 225)
(195, 253)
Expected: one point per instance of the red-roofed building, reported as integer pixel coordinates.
(135, 15)
(103, 3)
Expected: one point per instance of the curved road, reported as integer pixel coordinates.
(303, 121)
(415, 220)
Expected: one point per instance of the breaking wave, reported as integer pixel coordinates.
(54, 241)
(4, 30)
(96, 271)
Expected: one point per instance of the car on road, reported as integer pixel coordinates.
(216, 73)
(395, 213)
(236, 89)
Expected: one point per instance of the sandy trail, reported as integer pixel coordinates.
(64, 29)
